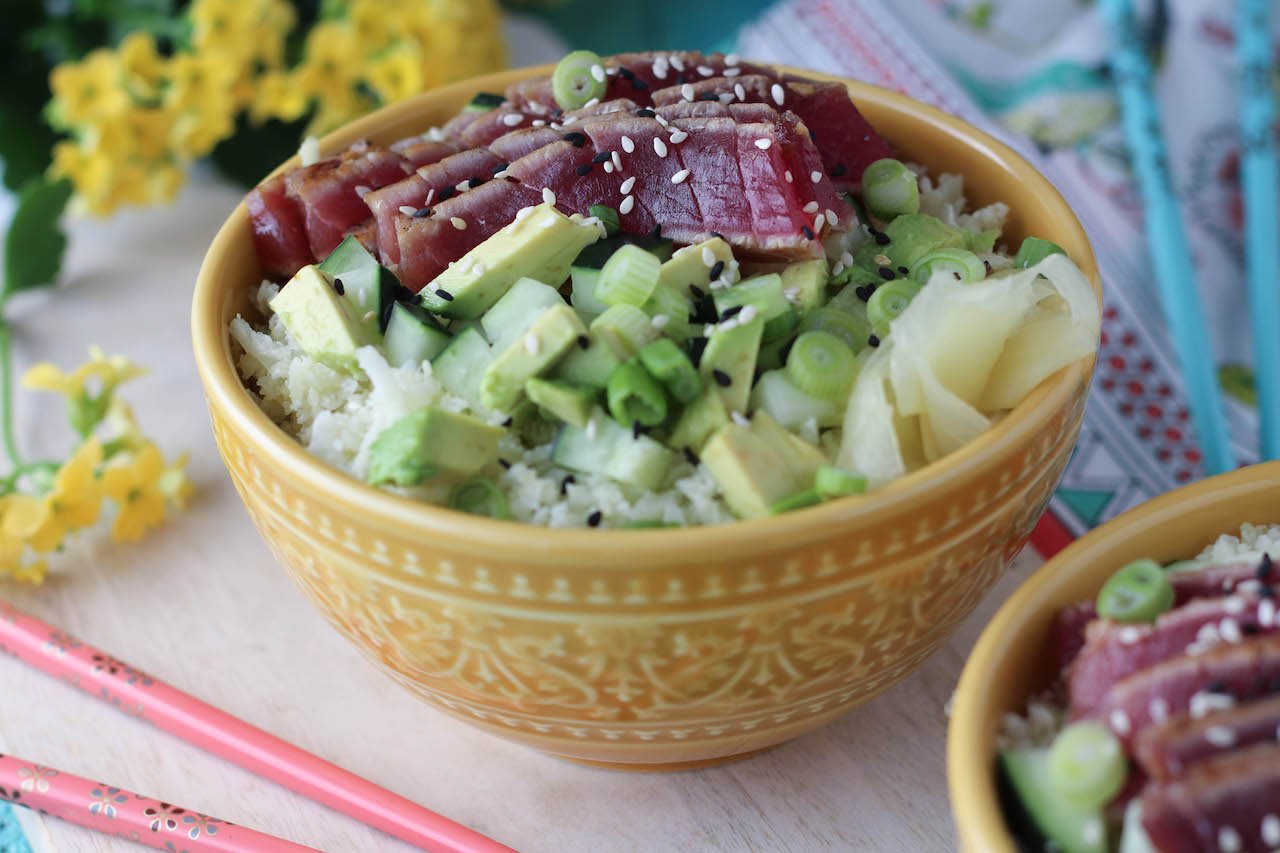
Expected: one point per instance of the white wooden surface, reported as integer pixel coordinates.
(203, 605)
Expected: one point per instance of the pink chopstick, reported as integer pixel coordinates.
(115, 811)
(104, 677)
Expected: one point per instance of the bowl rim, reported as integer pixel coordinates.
(970, 751)
(226, 394)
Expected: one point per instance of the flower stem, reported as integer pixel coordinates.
(6, 398)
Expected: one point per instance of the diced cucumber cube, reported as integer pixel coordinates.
(365, 283)
(588, 366)
(460, 365)
(516, 311)
(413, 335)
(624, 329)
(604, 447)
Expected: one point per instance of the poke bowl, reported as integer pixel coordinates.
(659, 648)
(1101, 715)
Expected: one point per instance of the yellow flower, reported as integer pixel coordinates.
(113, 370)
(135, 485)
(174, 483)
(280, 96)
(73, 503)
(251, 30)
(13, 547)
(49, 377)
(142, 67)
(396, 74)
(87, 90)
(200, 82)
(328, 66)
(141, 132)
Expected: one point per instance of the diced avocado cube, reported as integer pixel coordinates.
(365, 283)
(534, 352)
(421, 443)
(322, 323)
(607, 448)
(515, 312)
(800, 455)
(688, 266)
(624, 329)
(729, 361)
(590, 365)
(570, 403)
(699, 420)
(804, 283)
(540, 245)
(764, 292)
(759, 465)
(460, 365)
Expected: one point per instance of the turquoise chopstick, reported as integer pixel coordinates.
(1166, 238)
(1259, 177)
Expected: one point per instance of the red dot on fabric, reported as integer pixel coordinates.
(1144, 432)
(1117, 362)
(1147, 365)
(1155, 412)
(1163, 454)
(1128, 339)
(1108, 384)
(1164, 390)
(1126, 408)
(1183, 415)
(1103, 339)
(1174, 435)
(1183, 476)
(1136, 388)
(1110, 314)
(1192, 456)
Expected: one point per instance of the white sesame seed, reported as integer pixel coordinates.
(731, 72)
(660, 67)
(1120, 722)
(589, 104)
(818, 222)
(778, 95)
(1230, 630)
(708, 257)
(1271, 830)
(676, 62)
(501, 174)
(740, 91)
(532, 344)
(461, 187)
(477, 268)
(539, 122)
(831, 217)
(1228, 840)
(787, 175)
(686, 91)
(660, 120)
(362, 190)
(627, 145)
(1220, 736)
(591, 429)
(430, 195)
(811, 207)
(792, 294)
(1091, 831)
(815, 176)
(597, 72)
(882, 260)
(747, 314)
(407, 210)
(458, 223)
(1204, 702)
(659, 147)
(616, 160)
(679, 177)
(660, 321)
(731, 59)
(369, 315)
(512, 119)
(763, 144)
(627, 204)
(1266, 613)
(523, 212)
(725, 98)
(846, 259)
(608, 166)
(740, 419)
(628, 185)
(706, 70)
(1130, 635)
(678, 136)
(1234, 605)
(1159, 710)
(548, 197)
(721, 283)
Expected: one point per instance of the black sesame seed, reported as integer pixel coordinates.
(863, 292)
(957, 276)
(601, 157)
(593, 520)
(717, 234)
(422, 213)
(887, 274)
(697, 292)
(717, 270)
(1219, 687)
(731, 312)
(337, 287)
(697, 346)
(498, 168)
(576, 138)
(637, 429)
(583, 169)
(645, 112)
(813, 136)
(903, 270)
(708, 96)
(444, 294)
(474, 182)
(690, 456)
(640, 85)
(583, 341)
(1249, 629)
(722, 379)
(882, 239)
(504, 463)
(508, 422)
(807, 232)
(447, 193)
(564, 484)
(873, 341)
(626, 73)
(1264, 567)
(1267, 592)
(838, 170)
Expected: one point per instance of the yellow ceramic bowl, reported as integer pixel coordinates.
(1007, 665)
(655, 648)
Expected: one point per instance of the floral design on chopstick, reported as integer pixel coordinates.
(60, 643)
(197, 823)
(105, 799)
(165, 816)
(36, 777)
(114, 666)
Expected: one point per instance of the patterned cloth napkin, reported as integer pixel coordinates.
(1034, 73)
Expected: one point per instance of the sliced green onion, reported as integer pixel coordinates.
(1087, 765)
(853, 329)
(889, 189)
(624, 329)
(628, 277)
(960, 264)
(1034, 250)
(479, 496)
(669, 302)
(800, 500)
(1139, 592)
(667, 363)
(831, 482)
(821, 364)
(578, 79)
(888, 303)
(634, 397)
(607, 215)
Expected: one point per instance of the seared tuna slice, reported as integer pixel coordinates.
(421, 151)
(1114, 651)
(456, 126)
(1196, 684)
(331, 192)
(1166, 750)
(1226, 804)
(1223, 578)
(512, 146)
(429, 244)
(533, 96)
(493, 124)
(279, 231)
(640, 75)
(780, 225)
(570, 172)
(435, 181)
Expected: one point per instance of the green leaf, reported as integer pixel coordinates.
(34, 246)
